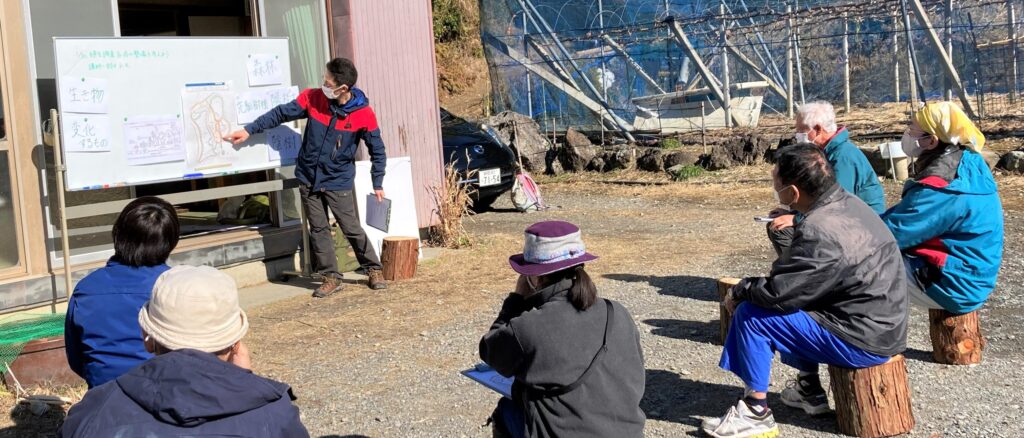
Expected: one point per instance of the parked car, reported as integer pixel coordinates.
(476, 150)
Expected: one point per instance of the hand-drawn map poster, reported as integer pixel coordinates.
(209, 115)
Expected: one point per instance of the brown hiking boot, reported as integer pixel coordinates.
(376, 281)
(330, 286)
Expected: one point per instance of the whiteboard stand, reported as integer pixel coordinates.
(65, 243)
(306, 271)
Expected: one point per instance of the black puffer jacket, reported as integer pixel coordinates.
(845, 270)
(545, 343)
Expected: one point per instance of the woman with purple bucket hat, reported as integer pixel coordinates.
(576, 359)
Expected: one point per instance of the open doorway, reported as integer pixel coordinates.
(201, 18)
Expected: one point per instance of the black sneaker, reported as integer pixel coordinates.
(807, 394)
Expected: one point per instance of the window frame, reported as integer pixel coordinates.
(7, 145)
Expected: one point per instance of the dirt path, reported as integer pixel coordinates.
(386, 364)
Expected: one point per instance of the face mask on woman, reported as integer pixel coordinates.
(912, 145)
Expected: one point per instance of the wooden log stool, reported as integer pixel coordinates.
(399, 255)
(956, 339)
(873, 402)
(724, 315)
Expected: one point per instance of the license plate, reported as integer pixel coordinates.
(490, 177)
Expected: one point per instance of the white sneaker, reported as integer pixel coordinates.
(741, 422)
(799, 395)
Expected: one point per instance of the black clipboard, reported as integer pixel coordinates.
(378, 213)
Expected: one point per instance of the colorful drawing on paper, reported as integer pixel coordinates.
(153, 139)
(86, 133)
(209, 110)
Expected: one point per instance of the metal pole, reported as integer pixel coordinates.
(896, 54)
(604, 70)
(846, 60)
(799, 66)
(632, 63)
(529, 80)
(945, 58)
(789, 62)
(65, 241)
(703, 140)
(1011, 18)
(949, 46)
(913, 75)
(535, 16)
(726, 92)
(979, 74)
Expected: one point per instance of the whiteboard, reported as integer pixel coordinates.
(399, 189)
(146, 110)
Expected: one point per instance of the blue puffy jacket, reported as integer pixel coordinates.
(186, 393)
(953, 220)
(853, 171)
(102, 337)
(326, 159)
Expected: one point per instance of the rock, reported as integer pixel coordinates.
(619, 158)
(676, 158)
(523, 135)
(770, 155)
(991, 158)
(552, 165)
(577, 153)
(674, 170)
(651, 160)
(718, 159)
(1013, 162)
(746, 150)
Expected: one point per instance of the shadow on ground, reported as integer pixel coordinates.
(696, 331)
(28, 424)
(685, 286)
(670, 397)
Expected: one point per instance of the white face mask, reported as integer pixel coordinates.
(800, 137)
(329, 92)
(911, 146)
(778, 200)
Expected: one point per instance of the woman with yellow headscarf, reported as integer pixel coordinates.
(949, 224)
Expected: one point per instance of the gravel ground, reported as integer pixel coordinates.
(366, 364)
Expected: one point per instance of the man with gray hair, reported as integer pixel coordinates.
(816, 124)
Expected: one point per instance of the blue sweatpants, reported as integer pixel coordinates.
(757, 333)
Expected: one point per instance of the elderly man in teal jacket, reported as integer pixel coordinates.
(949, 223)
(816, 124)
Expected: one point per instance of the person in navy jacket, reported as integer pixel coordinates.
(949, 223)
(102, 337)
(338, 116)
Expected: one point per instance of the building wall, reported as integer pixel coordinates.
(392, 45)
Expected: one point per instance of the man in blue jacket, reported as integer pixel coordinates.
(816, 124)
(337, 116)
(949, 223)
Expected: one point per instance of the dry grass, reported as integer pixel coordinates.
(21, 422)
(453, 203)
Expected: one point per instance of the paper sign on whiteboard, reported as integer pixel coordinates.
(86, 133)
(284, 145)
(208, 109)
(252, 104)
(153, 139)
(263, 70)
(83, 95)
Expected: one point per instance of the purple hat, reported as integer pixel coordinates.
(551, 246)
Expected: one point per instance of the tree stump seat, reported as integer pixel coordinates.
(399, 256)
(956, 339)
(873, 402)
(724, 315)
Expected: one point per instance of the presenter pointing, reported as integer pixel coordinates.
(337, 116)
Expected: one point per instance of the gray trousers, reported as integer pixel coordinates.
(343, 205)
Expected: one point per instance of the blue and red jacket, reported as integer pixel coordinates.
(326, 160)
(951, 218)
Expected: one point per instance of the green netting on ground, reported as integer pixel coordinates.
(16, 332)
